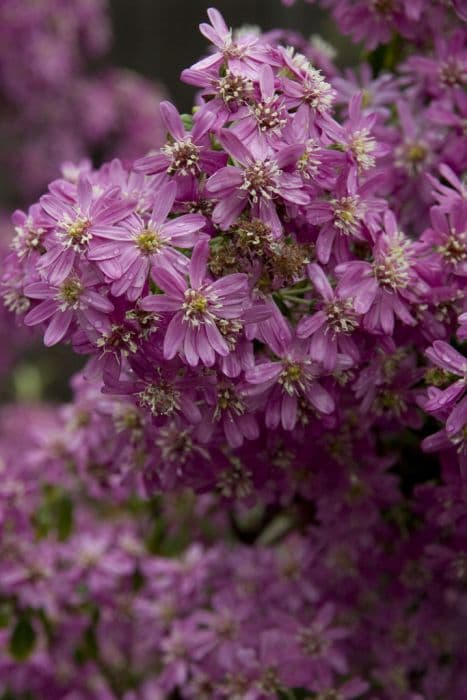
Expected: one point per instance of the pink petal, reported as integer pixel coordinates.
(58, 328)
(172, 120)
(164, 201)
(174, 336)
(41, 312)
(199, 264)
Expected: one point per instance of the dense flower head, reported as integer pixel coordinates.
(263, 263)
(272, 310)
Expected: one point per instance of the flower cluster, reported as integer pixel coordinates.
(272, 308)
(100, 601)
(251, 274)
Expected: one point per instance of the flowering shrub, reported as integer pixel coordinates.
(272, 309)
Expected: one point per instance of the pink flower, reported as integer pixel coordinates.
(386, 287)
(137, 243)
(187, 153)
(262, 120)
(261, 178)
(75, 298)
(74, 221)
(350, 214)
(356, 137)
(198, 308)
(330, 327)
(289, 380)
(243, 56)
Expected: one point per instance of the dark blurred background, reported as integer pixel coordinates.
(159, 38)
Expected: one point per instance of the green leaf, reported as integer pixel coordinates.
(64, 517)
(187, 120)
(55, 513)
(23, 639)
(6, 609)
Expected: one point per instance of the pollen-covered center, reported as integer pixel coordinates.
(228, 400)
(412, 156)
(76, 233)
(453, 73)
(393, 270)
(149, 241)
(362, 145)
(27, 238)
(311, 642)
(260, 180)
(175, 445)
(454, 250)
(69, 293)
(341, 316)
(317, 92)
(231, 49)
(270, 115)
(348, 211)
(309, 163)
(291, 375)
(195, 307)
(233, 88)
(161, 398)
(184, 156)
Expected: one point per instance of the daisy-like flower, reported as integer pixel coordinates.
(355, 138)
(243, 55)
(198, 308)
(264, 119)
(307, 86)
(449, 404)
(446, 241)
(349, 214)
(132, 248)
(187, 153)
(331, 327)
(378, 94)
(74, 222)
(30, 231)
(261, 177)
(75, 298)
(288, 381)
(384, 288)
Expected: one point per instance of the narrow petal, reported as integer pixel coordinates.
(320, 398)
(263, 373)
(174, 336)
(41, 312)
(288, 411)
(217, 341)
(149, 165)
(224, 180)
(319, 279)
(160, 303)
(169, 281)
(235, 147)
(58, 328)
(164, 201)
(172, 120)
(199, 264)
(309, 325)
